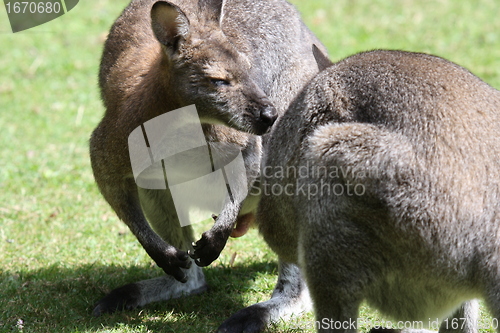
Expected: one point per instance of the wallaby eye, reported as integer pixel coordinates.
(220, 82)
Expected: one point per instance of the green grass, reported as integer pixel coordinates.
(61, 246)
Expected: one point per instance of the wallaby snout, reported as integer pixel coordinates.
(268, 116)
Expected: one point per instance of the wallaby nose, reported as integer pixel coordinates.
(268, 115)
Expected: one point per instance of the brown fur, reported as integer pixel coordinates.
(240, 63)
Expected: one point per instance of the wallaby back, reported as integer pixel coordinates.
(399, 201)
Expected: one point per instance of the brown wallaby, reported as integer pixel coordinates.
(382, 182)
(240, 62)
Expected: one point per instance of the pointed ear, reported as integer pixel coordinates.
(321, 59)
(212, 9)
(170, 25)
(220, 13)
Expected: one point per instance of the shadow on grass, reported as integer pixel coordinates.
(59, 299)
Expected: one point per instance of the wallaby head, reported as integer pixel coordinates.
(202, 67)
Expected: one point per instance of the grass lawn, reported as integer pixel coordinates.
(61, 246)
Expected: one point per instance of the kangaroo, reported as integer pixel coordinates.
(382, 182)
(241, 63)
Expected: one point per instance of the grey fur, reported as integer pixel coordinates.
(417, 136)
(239, 62)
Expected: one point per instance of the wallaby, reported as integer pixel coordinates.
(382, 182)
(240, 62)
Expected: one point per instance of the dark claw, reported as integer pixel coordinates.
(192, 254)
(205, 251)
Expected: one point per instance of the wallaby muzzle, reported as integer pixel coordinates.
(266, 119)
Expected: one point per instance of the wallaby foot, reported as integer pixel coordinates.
(127, 297)
(290, 296)
(140, 293)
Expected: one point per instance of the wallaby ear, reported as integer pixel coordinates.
(170, 25)
(212, 8)
(321, 59)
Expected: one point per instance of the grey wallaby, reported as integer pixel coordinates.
(382, 182)
(240, 62)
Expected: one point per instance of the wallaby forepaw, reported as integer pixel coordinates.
(175, 264)
(208, 248)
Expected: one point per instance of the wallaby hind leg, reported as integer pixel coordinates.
(335, 310)
(339, 256)
(290, 296)
(141, 293)
(160, 211)
(336, 297)
(334, 144)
